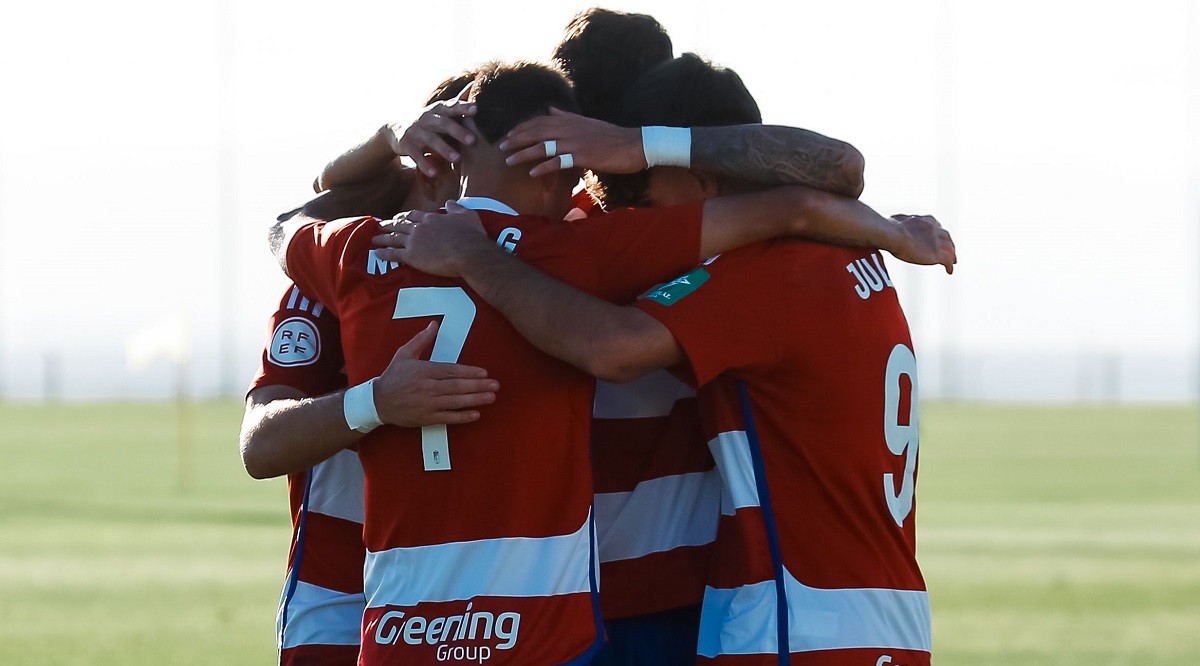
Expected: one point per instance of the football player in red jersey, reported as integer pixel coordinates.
(799, 350)
(294, 422)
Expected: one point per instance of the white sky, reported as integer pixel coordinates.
(1058, 140)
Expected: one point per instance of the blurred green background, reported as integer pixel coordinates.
(1048, 535)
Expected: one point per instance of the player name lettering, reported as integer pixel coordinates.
(377, 266)
(444, 632)
(508, 239)
(870, 275)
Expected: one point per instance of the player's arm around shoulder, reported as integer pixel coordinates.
(611, 342)
(284, 431)
(766, 154)
(779, 155)
(803, 212)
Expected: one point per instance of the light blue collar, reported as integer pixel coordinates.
(486, 203)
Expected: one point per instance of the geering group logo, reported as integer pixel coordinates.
(446, 632)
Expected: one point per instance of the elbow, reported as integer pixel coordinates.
(613, 370)
(255, 457)
(618, 356)
(276, 241)
(852, 172)
(258, 468)
(256, 465)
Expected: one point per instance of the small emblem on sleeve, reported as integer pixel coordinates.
(295, 342)
(670, 293)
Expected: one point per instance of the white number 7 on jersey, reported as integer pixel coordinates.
(458, 313)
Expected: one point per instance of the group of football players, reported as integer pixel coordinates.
(612, 374)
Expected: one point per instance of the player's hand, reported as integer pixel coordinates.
(415, 393)
(429, 135)
(592, 144)
(927, 242)
(435, 243)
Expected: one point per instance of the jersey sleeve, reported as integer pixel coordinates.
(303, 348)
(725, 314)
(314, 256)
(633, 248)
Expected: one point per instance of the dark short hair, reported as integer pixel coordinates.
(450, 88)
(604, 51)
(507, 94)
(687, 91)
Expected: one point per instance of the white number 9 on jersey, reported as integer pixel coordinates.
(900, 433)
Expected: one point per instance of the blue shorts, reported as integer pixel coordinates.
(658, 639)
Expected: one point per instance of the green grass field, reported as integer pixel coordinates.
(1048, 536)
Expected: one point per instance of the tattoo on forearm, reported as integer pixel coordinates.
(777, 155)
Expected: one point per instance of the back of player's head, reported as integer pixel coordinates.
(687, 91)
(604, 51)
(506, 94)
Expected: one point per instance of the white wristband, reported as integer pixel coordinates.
(358, 404)
(667, 146)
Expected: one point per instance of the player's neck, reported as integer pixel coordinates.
(484, 173)
(506, 184)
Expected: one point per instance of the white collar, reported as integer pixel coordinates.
(487, 203)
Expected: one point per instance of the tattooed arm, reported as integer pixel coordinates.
(768, 154)
(778, 155)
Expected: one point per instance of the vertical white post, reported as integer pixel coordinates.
(227, 195)
(947, 161)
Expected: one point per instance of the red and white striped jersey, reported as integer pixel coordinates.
(809, 402)
(480, 541)
(657, 490)
(657, 496)
(320, 610)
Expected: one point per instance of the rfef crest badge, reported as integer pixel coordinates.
(295, 342)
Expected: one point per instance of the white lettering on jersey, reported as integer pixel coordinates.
(444, 631)
(295, 342)
(377, 266)
(870, 275)
(508, 239)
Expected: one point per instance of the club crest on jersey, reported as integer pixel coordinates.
(871, 276)
(670, 293)
(295, 342)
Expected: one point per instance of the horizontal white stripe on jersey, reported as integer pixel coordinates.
(317, 616)
(743, 620)
(731, 450)
(652, 395)
(505, 567)
(659, 515)
(337, 487)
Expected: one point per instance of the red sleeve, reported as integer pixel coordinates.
(314, 256)
(303, 348)
(727, 313)
(633, 248)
